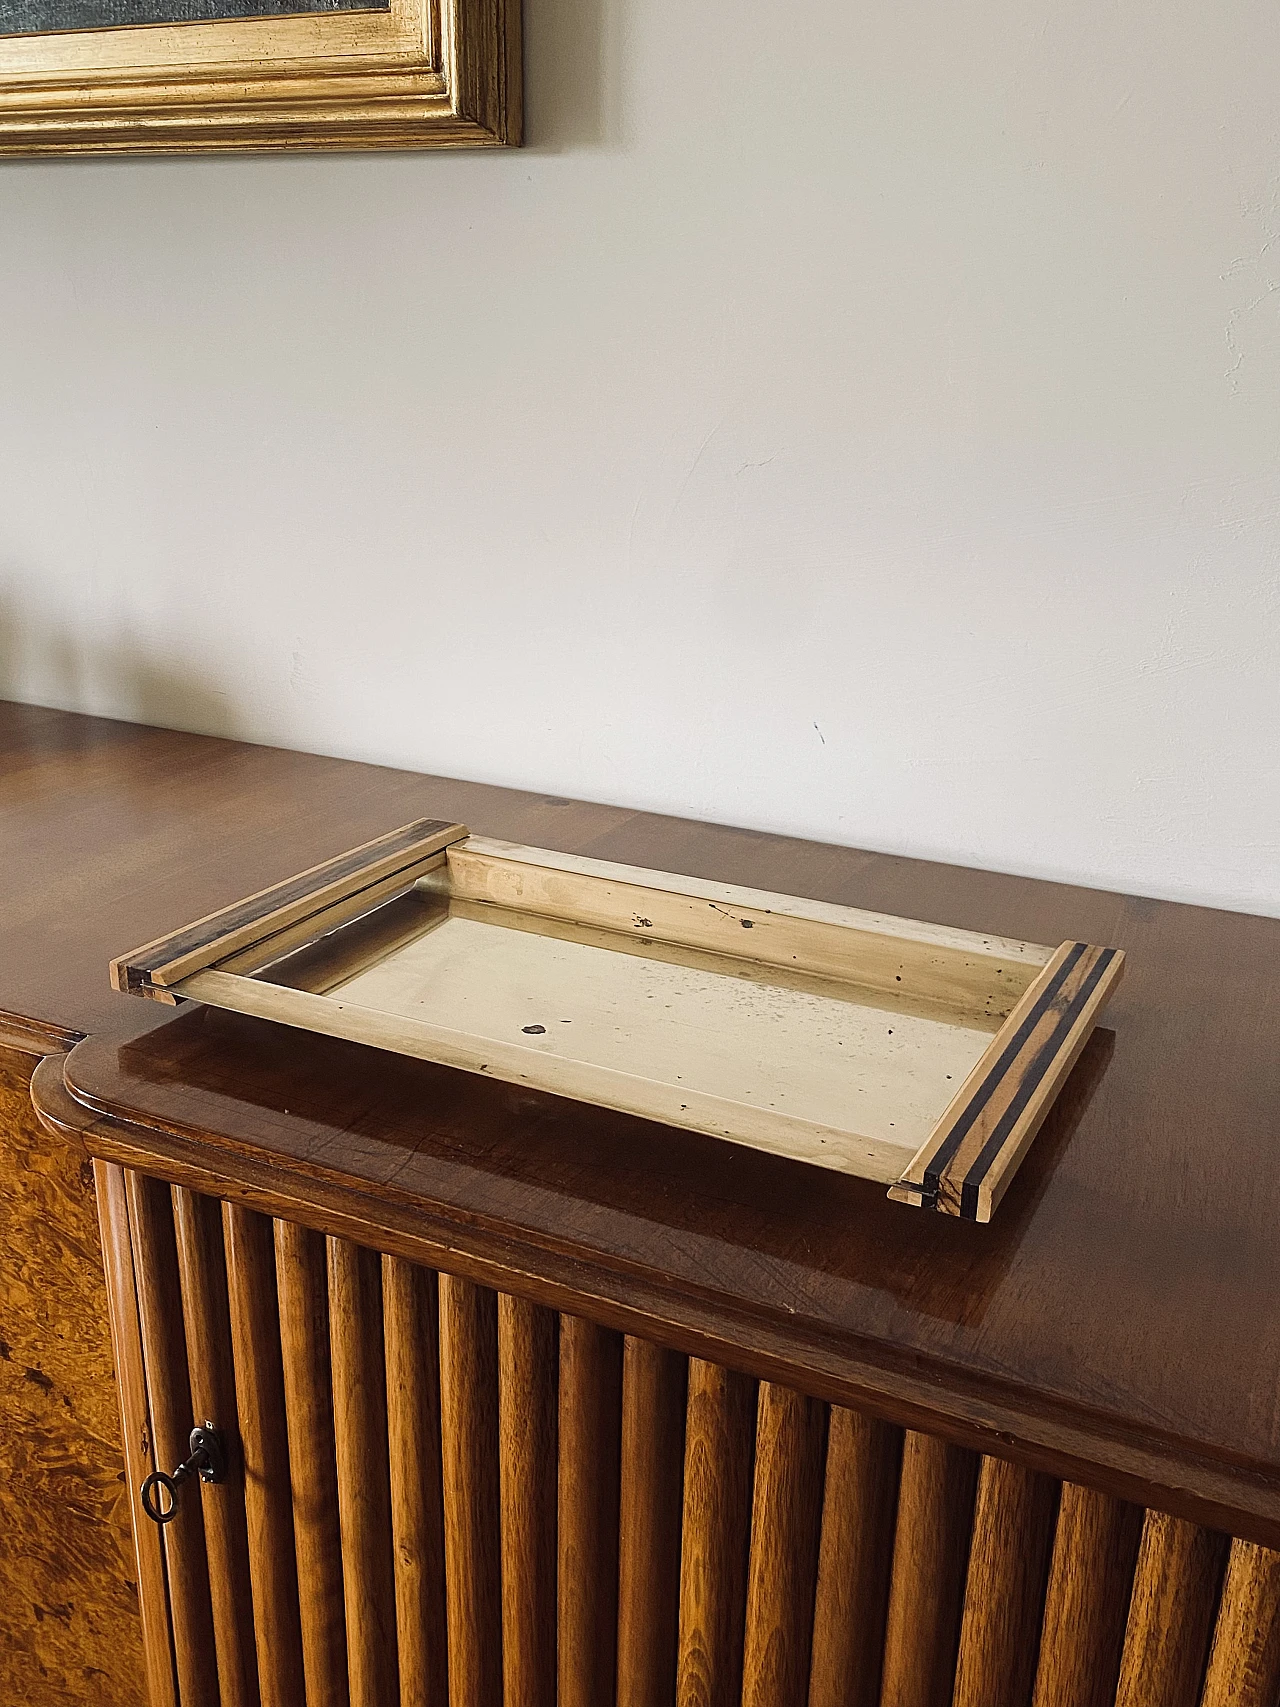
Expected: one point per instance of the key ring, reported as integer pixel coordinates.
(208, 1460)
(158, 1479)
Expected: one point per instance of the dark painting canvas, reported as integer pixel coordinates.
(26, 17)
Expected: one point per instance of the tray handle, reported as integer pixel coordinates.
(972, 1154)
(403, 853)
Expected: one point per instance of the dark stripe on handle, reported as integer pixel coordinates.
(937, 1165)
(291, 889)
(1030, 1084)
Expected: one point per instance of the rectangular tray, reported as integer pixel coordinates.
(916, 1055)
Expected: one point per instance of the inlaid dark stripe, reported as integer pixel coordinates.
(938, 1163)
(292, 889)
(1031, 1080)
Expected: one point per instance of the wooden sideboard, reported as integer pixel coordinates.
(535, 1402)
(106, 830)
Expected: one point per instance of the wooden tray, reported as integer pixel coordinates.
(913, 1054)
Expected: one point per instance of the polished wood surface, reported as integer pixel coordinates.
(212, 1386)
(1004, 1589)
(528, 1400)
(1013, 1331)
(1008, 1335)
(111, 833)
(411, 1326)
(260, 1407)
(303, 1294)
(826, 1287)
(718, 1461)
(472, 1542)
(153, 1667)
(164, 1347)
(364, 1477)
(762, 1518)
(786, 1518)
(1244, 1667)
(930, 1555)
(590, 1431)
(1113, 1326)
(654, 1395)
(1095, 1549)
(1171, 1612)
(859, 1507)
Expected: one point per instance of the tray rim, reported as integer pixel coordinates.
(968, 1159)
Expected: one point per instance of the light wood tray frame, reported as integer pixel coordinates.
(760, 995)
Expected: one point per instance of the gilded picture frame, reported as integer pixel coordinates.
(197, 76)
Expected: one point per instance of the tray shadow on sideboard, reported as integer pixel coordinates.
(593, 1179)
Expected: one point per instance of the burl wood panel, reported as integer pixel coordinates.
(69, 1629)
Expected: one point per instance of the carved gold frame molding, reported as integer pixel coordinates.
(426, 73)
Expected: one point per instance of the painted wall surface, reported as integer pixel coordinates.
(859, 421)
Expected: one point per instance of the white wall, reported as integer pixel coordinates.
(858, 420)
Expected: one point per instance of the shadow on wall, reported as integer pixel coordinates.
(48, 664)
(572, 75)
(573, 78)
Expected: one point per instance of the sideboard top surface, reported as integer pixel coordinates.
(1119, 1319)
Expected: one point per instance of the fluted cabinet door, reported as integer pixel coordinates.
(438, 1495)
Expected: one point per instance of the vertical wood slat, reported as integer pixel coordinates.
(364, 1484)
(411, 1328)
(268, 1500)
(1004, 1594)
(590, 1454)
(1095, 1549)
(528, 1355)
(719, 1446)
(206, 1319)
(1175, 1591)
(930, 1554)
(1244, 1665)
(126, 1348)
(654, 1383)
(469, 1421)
(785, 1529)
(860, 1502)
(302, 1293)
(159, 1294)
